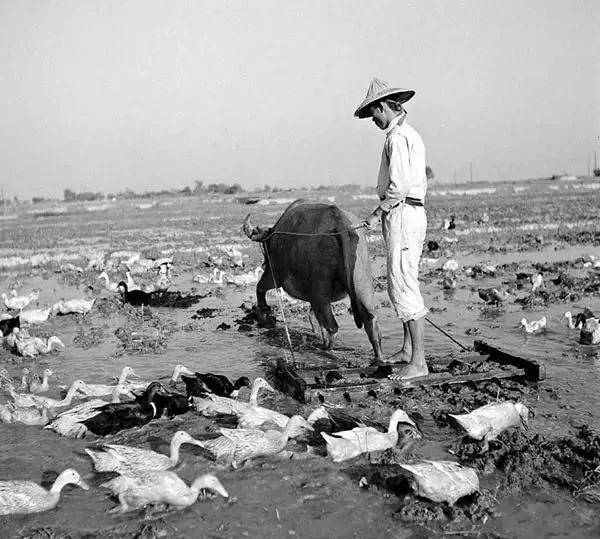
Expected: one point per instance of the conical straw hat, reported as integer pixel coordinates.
(378, 89)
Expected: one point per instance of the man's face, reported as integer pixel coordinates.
(381, 115)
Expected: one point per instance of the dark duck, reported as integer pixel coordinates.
(200, 384)
(137, 298)
(285, 379)
(115, 417)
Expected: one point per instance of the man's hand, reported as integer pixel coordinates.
(370, 222)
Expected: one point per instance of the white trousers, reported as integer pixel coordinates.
(404, 229)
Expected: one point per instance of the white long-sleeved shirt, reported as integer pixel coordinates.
(402, 168)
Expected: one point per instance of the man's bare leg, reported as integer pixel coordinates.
(406, 352)
(417, 366)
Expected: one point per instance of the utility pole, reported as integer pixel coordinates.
(589, 171)
(471, 171)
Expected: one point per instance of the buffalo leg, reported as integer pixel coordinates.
(367, 315)
(263, 310)
(326, 320)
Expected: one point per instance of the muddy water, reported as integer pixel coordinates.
(309, 497)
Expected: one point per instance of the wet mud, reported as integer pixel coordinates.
(533, 482)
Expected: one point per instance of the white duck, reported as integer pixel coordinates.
(216, 405)
(35, 386)
(68, 423)
(28, 399)
(534, 326)
(442, 481)
(590, 332)
(110, 286)
(488, 422)
(101, 390)
(18, 303)
(348, 444)
(10, 413)
(239, 445)
(34, 316)
(20, 497)
(73, 306)
(537, 282)
(34, 346)
(246, 279)
(127, 460)
(16, 334)
(160, 487)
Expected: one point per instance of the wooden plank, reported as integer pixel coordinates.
(534, 369)
(312, 371)
(435, 379)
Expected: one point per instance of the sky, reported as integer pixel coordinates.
(148, 95)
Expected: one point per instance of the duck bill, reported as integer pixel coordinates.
(134, 374)
(220, 489)
(83, 484)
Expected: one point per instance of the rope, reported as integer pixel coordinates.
(287, 331)
(449, 336)
(285, 233)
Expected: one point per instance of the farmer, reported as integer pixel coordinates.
(401, 186)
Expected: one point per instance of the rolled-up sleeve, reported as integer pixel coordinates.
(397, 159)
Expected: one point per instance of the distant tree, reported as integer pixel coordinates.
(69, 195)
(187, 191)
(37, 200)
(199, 188)
(597, 172)
(429, 173)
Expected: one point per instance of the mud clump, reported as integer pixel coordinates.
(88, 338)
(135, 342)
(205, 312)
(536, 462)
(174, 300)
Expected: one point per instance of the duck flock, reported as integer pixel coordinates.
(142, 477)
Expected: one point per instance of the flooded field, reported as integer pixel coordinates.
(61, 250)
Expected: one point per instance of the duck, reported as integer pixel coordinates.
(28, 399)
(450, 265)
(35, 386)
(163, 281)
(348, 444)
(488, 422)
(217, 384)
(285, 379)
(213, 405)
(34, 346)
(23, 497)
(114, 417)
(8, 324)
(101, 390)
(172, 403)
(239, 445)
(27, 416)
(578, 324)
(110, 286)
(590, 332)
(131, 284)
(493, 296)
(135, 297)
(442, 481)
(246, 279)
(160, 487)
(216, 277)
(68, 423)
(73, 306)
(535, 326)
(449, 281)
(18, 303)
(16, 334)
(35, 316)
(537, 282)
(126, 460)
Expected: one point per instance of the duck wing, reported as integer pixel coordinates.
(194, 387)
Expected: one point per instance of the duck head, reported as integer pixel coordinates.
(179, 370)
(69, 476)
(209, 482)
(182, 437)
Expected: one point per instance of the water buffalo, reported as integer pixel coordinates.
(314, 253)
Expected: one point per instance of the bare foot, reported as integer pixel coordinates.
(410, 372)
